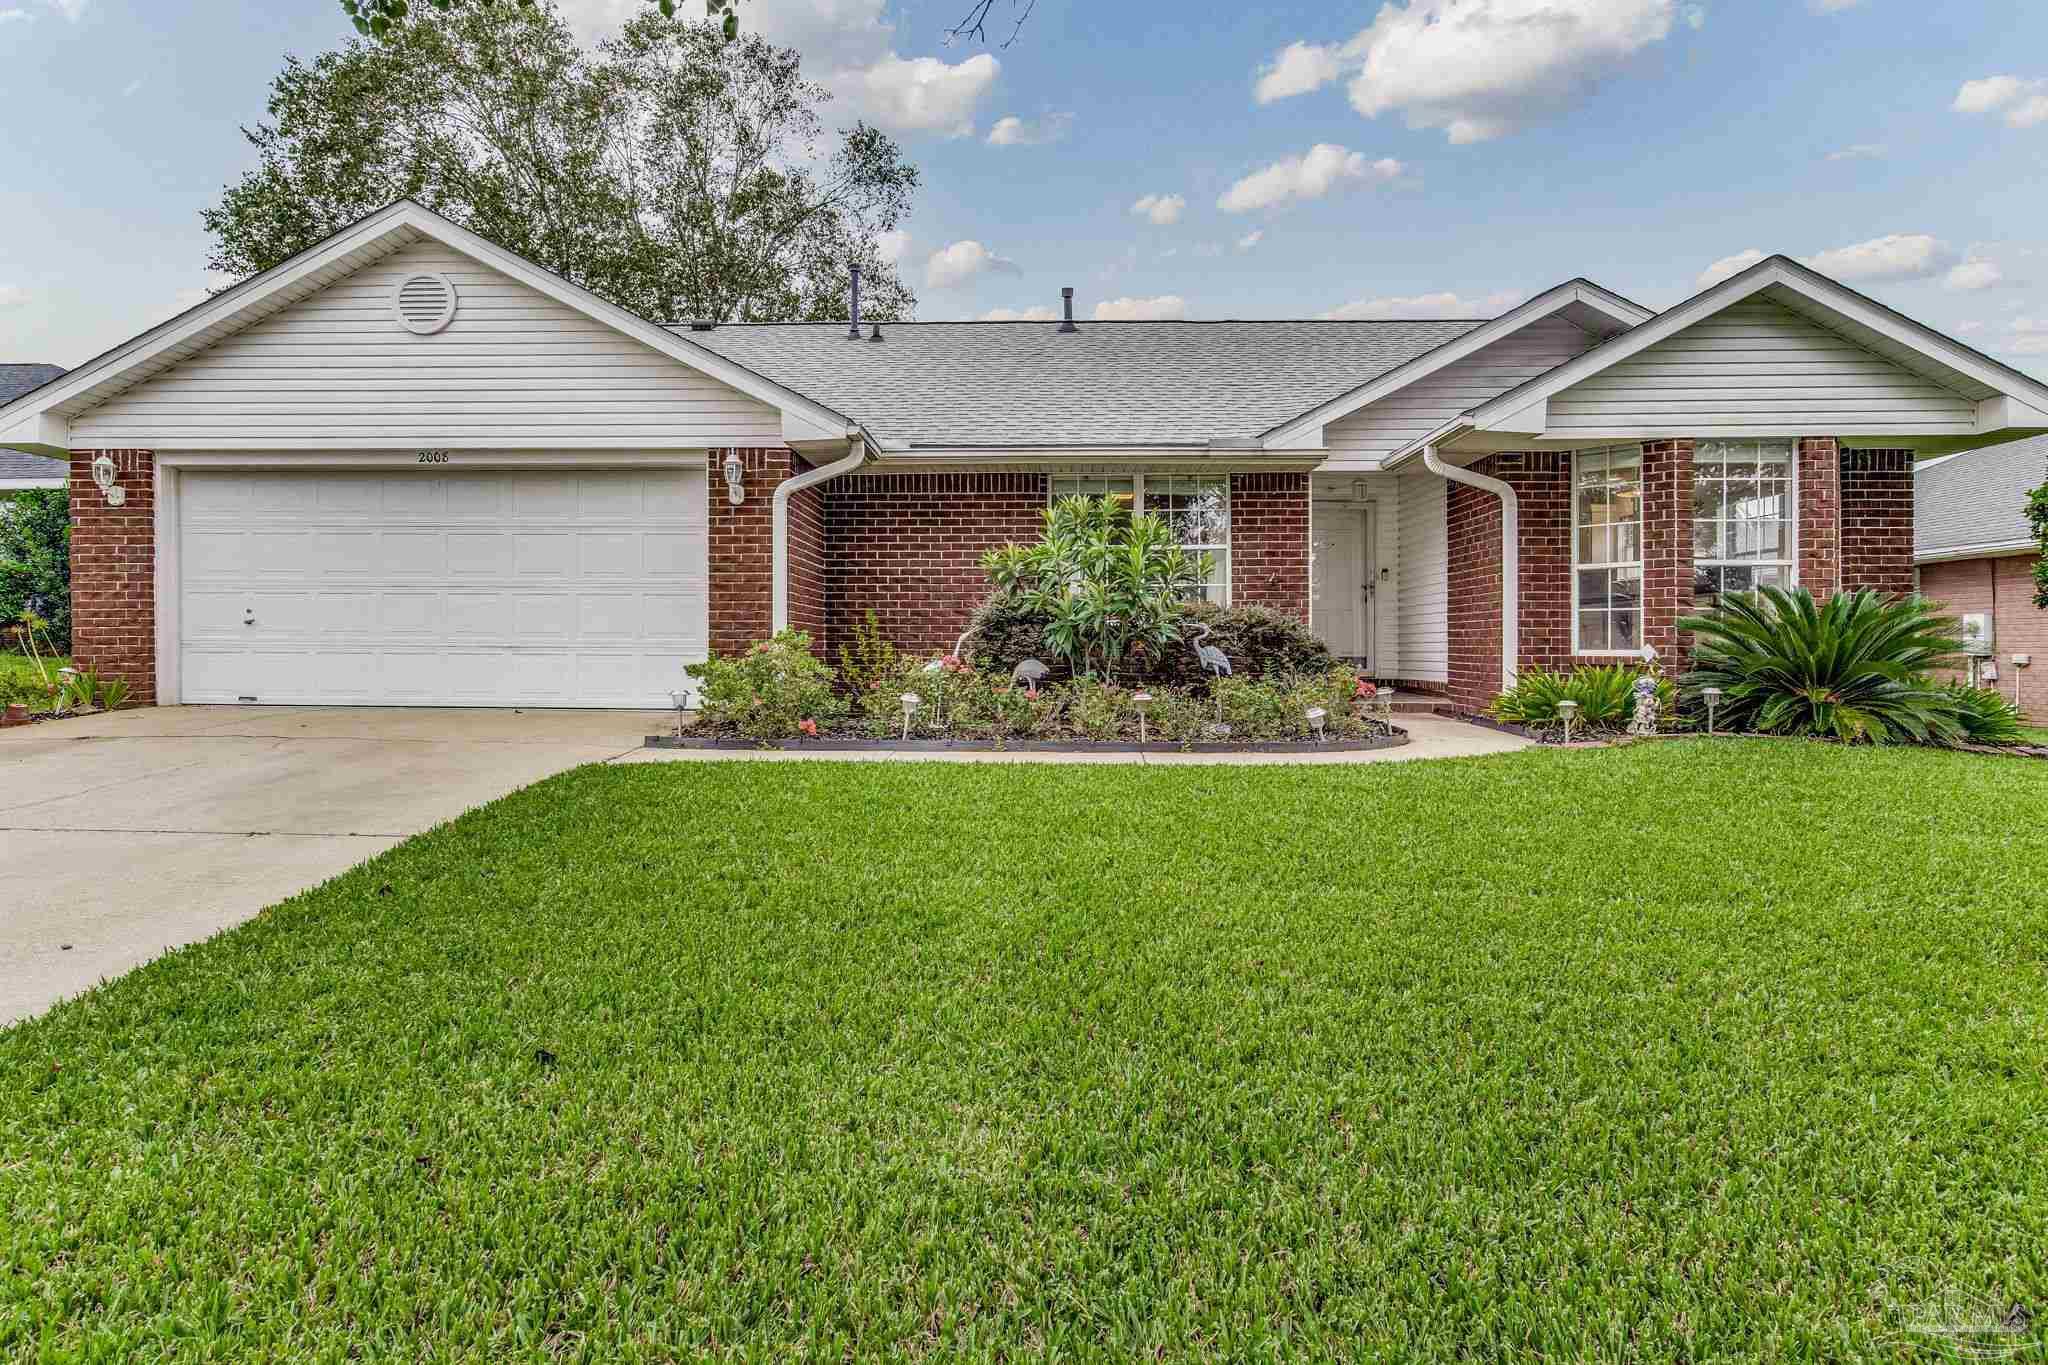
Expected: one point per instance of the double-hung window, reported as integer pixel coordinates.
(1607, 550)
(1741, 517)
(1195, 506)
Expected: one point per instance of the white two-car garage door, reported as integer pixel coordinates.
(440, 587)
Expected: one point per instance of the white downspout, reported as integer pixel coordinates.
(1510, 556)
(778, 553)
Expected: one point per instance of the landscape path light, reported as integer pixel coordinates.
(1566, 710)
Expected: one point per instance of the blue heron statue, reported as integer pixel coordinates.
(1030, 673)
(1213, 659)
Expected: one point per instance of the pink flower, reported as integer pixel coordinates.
(1366, 689)
(953, 664)
(808, 726)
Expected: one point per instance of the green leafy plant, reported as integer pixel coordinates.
(769, 692)
(1606, 695)
(869, 659)
(1106, 582)
(35, 567)
(2037, 517)
(1986, 715)
(1854, 668)
(109, 695)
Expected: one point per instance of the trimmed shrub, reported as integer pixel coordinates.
(1854, 668)
(769, 692)
(1258, 641)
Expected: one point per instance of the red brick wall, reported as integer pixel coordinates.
(113, 572)
(742, 604)
(807, 561)
(2003, 587)
(1820, 515)
(1668, 549)
(1473, 520)
(1877, 520)
(1269, 542)
(908, 547)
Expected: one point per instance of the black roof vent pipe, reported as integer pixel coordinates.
(876, 334)
(1067, 297)
(853, 327)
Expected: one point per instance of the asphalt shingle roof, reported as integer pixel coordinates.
(16, 380)
(1978, 497)
(1112, 383)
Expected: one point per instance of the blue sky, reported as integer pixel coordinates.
(1169, 158)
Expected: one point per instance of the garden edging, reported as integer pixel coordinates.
(1395, 740)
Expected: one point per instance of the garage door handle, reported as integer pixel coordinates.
(248, 618)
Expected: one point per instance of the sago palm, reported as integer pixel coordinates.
(1854, 667)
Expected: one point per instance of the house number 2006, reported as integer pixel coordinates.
(433, 457)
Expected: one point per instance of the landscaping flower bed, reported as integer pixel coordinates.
(778, 694)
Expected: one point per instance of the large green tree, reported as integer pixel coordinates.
(381, 18)
(670, 171)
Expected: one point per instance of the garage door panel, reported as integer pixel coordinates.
(557, 588)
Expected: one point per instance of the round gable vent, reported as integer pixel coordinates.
(425, 303)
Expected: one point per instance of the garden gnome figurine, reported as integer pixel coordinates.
(1645, 719)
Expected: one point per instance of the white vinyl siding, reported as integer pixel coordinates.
(1378, 429)
(515, 369)
(1424, 576)
(1757, 367)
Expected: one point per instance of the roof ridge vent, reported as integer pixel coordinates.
(424, 303)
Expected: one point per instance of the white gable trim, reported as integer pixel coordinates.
(1306, 431)
(40, 419)
(2016, 402)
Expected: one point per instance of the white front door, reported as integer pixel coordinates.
(1342, 581)
(557, 587)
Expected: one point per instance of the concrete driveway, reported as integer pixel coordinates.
(124, 835)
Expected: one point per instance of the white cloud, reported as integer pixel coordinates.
(2026, 336)
(893, 245)
(12, 296)
(15, 16)
(1832, 6)
(1441, 305)
(1971, 276)
(1251, 239)
(1727, 268)
(1478, 68)
(2024, 102)
(1040, 313)
(1896, 256)
(1163, 209)
(192, 298)
(1298, 69)
(920, 94)
(1323, 168)
(963, 261)
(1017, 132)
(1859, 151)
(74, 10)
(1163, 308)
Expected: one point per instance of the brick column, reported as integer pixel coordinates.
(1876, 501)
(113, 572)
(1820, 515)
(1667, 549)
(1543, 498)
(1269, 542)
(742, 587)
(1472, 520)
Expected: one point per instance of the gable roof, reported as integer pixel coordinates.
(978, 384)
(40, 418)
(1976, 503)
(2006, 399)
(16, 380)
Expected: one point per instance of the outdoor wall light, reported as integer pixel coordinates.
(104, 474)
(735, 478)
(1713, 696)
(1566, 710)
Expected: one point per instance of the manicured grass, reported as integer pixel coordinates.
(2035, 736)
(1685, 1051)
(21, 663)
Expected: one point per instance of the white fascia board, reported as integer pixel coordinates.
(1774, 271)
(19, 485)
(1531, 419)
(1991, 549)
(2006, 413)
(38, 433)
(401, 217)
(1306, 431)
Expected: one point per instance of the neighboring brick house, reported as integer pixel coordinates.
(1975, 553)
(409, 467)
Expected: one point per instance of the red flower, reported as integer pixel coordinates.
(808, 726)
(1366, 689)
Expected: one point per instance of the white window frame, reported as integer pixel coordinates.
(1642, 576)
(1137, 478)
(1790, 562)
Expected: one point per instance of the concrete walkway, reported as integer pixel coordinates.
(124, 835)
(1429, 736)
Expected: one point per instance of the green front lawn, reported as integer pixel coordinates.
(1683, 1051)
